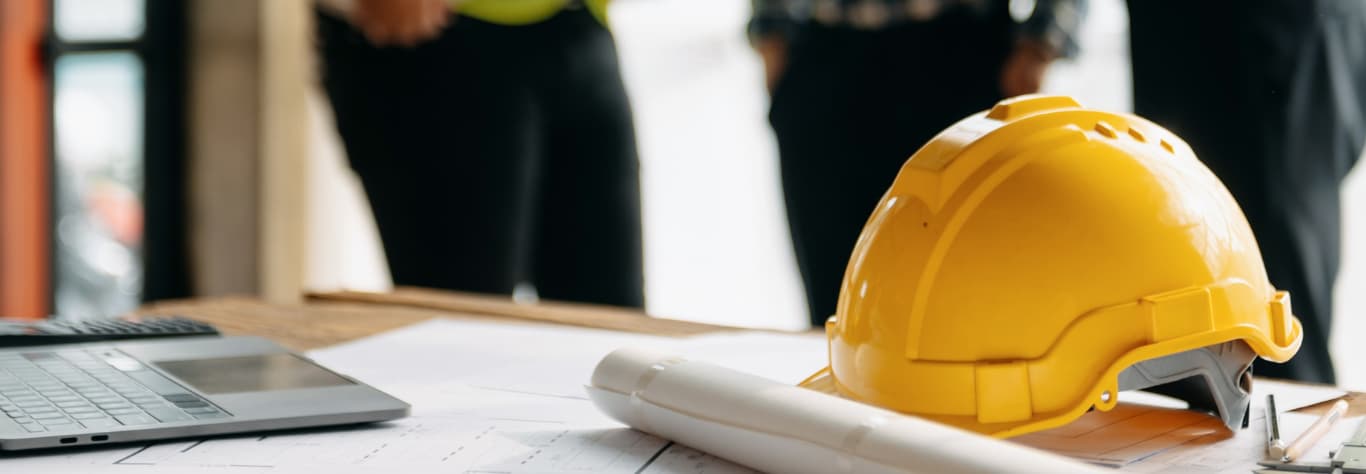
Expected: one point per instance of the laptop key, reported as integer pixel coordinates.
(206, 416)
(88, 415)
(100, 423)
(55, 421)
(193, 404)
(135, 419)
(156, 383)
(168, 414)
(124, 411)
(46, 416)
(180, 397)
(111, 406)
(33, 427)
(83, 409)
(200, 410)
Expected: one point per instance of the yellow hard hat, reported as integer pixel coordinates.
(1033, 260)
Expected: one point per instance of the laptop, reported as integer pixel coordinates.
(143, 390)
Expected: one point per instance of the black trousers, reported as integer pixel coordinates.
(1271, 95)
(852, 108)
(495, 155)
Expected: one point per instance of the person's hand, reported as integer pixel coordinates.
(773, 51)
(400, 22)
(1024, 68)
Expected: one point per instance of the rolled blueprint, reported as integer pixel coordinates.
(775, 427)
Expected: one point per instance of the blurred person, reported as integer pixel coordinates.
(1271, 95)
(494, 141)
(857, 86)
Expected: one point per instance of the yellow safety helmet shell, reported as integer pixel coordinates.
(1028, 254)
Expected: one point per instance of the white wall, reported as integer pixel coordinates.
(344, 250)
(1349, 348)
(717, 247)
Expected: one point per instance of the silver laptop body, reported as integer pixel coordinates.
(118, 392)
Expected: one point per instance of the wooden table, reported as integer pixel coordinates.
(332, 318)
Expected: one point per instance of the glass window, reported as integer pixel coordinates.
(98, 20)
(98, 175)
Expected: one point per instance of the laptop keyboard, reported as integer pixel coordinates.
(82, 390)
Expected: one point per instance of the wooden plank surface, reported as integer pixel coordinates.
(576, 314)
(334, 318)
(298, 327)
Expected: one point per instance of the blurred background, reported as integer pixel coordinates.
(155, 149)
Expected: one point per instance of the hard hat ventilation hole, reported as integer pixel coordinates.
(1137, 135)
(1166, 145)
(1106, 130)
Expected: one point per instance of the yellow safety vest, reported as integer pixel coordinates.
(523, 12)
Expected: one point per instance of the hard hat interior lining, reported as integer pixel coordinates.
(1215, 379)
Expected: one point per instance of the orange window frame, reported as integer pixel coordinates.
(25, 183)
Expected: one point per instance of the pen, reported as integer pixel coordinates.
(1275, 448)
(1315, 431)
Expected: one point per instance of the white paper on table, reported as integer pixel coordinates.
(461, 375)
(1240, 452)
(787, 358)
(1290, 396)
(1135, 430)
(500, 397)
(777, 427)
(507, 432)
(544, 358)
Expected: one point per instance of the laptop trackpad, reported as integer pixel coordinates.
(250, 373)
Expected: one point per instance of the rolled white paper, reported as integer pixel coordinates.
(773, 427)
